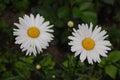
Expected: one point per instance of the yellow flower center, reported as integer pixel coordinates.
(88, 43)
(33, 32)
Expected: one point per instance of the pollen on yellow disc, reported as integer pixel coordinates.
(33, 32)
(88, 43)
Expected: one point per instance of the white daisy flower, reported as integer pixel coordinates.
(89, 43)
(33, 34)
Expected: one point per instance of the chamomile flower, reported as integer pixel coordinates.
(33, 34)
(89, 43)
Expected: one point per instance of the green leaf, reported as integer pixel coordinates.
(76, 13)
(86, 6)
(20, 4)
(80, 63)
(111, 71)
(65, 63)
(28, 59)
(2, 67)
(89, 16)
(47, 12)
(63, 12)
(47, 62)
(6, 75)
(22, 69)
(109, 1)
(86, 16)
(102, 63)
(114, 56)
(18, 64)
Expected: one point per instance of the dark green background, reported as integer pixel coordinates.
(58, 60)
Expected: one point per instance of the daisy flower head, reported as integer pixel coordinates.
(33, 33)
(89, 43)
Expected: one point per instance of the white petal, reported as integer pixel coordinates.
(83, 56)
(77, 53)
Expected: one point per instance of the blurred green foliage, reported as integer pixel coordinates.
(57, 60)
